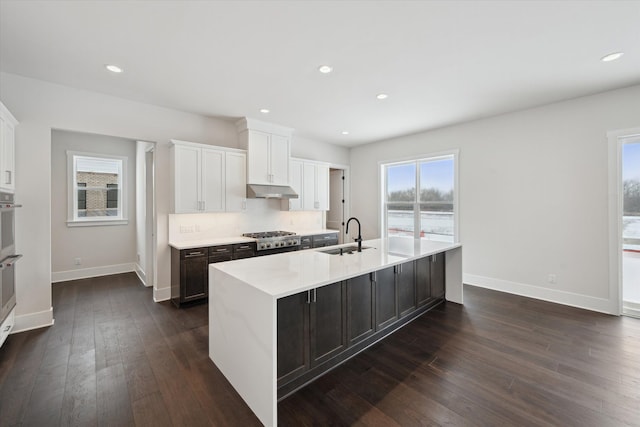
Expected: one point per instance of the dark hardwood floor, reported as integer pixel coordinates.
(116, 358)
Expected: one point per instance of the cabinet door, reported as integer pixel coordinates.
(258, 161)
(423, 281)
(386, 304)
(235, 182)
(437, 275)
(213, 175)
(296, 183)
(360, 308)
(405, 276)
(187, 179)
(309, 187)
(279, 159)
(293, 336)
(322, 187)
(195, 275)
(7, 156)
(328, 322)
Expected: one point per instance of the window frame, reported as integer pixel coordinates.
(383, 179)
(73, 220)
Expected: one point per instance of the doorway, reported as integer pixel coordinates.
(338, 212)
(630, 161)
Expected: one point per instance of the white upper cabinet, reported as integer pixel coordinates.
(7, 150)
(311, 181)
(268, 147)
(207, 178)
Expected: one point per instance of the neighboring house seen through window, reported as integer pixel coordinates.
(97, 187)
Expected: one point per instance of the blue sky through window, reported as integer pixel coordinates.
(631, 161)
(434, 174)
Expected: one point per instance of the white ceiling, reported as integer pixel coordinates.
(441, 62)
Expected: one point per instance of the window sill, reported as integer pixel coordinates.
(97, 222)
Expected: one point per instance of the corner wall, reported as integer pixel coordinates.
(533, 195)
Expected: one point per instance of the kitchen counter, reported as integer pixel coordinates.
(243, 305)
(202, 243)
(288, 273)
(314, 231)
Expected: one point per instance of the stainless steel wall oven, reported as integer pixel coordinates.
(8, 256)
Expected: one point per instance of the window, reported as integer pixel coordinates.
(96, 189)
(419, 198)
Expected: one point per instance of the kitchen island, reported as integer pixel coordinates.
(278, 322)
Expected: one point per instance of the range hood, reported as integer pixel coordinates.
(257, 191)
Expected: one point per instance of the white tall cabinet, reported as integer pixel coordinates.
(268, 148)
(7, 150)
(207, 178)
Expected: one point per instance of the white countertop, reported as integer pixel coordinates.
(288, 273)
(214, 241)
(201, 243)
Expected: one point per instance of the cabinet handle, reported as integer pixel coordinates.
(433, 259)
(372, 277)
(6, 328)
(222, 250)
(315, 295)
(244, 205)
(308, 297)
(244, 247)
(8, 180)
(193, 254)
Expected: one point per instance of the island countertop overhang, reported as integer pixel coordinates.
(289, 273)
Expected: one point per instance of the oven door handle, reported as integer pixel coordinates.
(9, 261)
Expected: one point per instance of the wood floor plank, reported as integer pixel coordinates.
(115, 357)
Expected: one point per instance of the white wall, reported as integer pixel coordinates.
(533, 194)
(102, 249)
(41, 107)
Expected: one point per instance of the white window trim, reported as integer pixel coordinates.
(72, 191)
(382, 181)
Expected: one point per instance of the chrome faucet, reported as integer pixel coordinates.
(359, 238)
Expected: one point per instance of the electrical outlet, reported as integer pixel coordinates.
(186, 229)
(77, 261)
(552, 279)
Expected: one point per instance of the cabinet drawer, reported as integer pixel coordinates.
(194, 253)
(220, 250)
(244, 250)
(220, 257)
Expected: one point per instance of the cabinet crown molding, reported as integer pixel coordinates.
(6, 114)
(173, 142)
(247, 123)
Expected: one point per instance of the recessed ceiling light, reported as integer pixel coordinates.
(345, 132)
(113, 68)
(325, 69)
(264, 110)
(611, 57)
(382, 96)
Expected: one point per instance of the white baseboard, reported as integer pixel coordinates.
(27, 322)
(162, 294)
(601, 305)
(631, 309)
(84, 273)
(142, 276)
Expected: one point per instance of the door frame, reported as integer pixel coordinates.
(346, 195)
(615, 140)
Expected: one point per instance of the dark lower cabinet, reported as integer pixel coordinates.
(386, 304)
(323, 327)
(293, 336)
(437, 275)
(360, 308)
(189, 274)
(423, 281)
(328, 331)
(322, 240)
(311, 329)
(406, 285)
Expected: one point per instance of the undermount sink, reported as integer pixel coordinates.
(346, 250)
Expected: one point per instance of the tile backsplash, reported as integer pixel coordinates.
(261, 215)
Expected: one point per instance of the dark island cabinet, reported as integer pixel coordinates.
(311, 329)
(437, 276)
(406, 285)
(386, 304)
(360, 308)
(328, 330)
(293, 336)
(190, 269)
